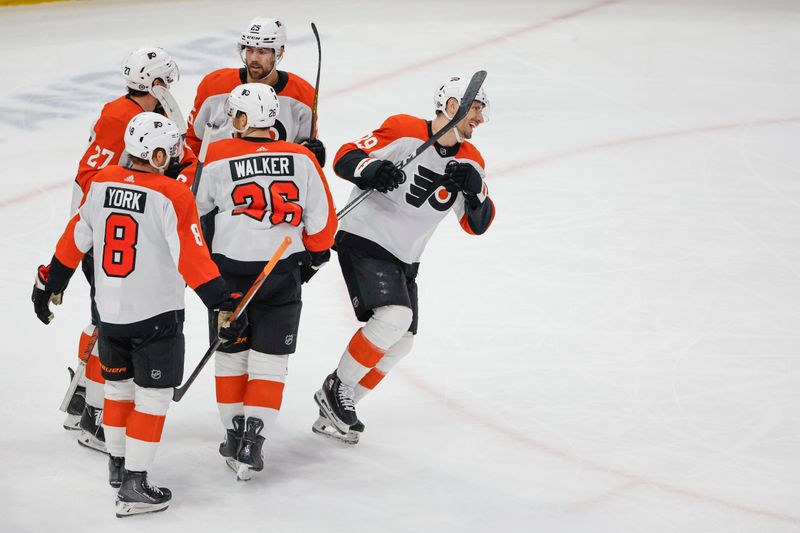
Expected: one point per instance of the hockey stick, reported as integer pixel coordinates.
(180, 391)
(466, 103)
(201, 158)
(170, 106)
(316, 87)
(79, 372)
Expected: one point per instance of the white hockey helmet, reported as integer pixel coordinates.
(256, 100)
(146, 132)
(143, 66)
(264, 33)
(454, 87)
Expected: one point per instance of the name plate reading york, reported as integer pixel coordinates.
(262, 165)
(126, 199)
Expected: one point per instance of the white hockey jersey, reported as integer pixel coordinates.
(295, 95)
(145, 233)
(264, 190)
(402, 221)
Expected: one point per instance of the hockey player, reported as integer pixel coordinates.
(145, 229)
(262, 190)
(141, 70)
(380, 242)
(262, 47)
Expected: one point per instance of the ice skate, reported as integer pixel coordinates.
(324, 427)
(249, 457)
(116, 468)
(138, 496)
(335, 400)
(92, 435)
(233, 438)
(75, 407)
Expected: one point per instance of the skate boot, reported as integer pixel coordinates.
(249, 456)
(92, 434)
(137, 496)
(325, 427)
(75, 407)
(335, 400)
(116, 466)
(233, 438)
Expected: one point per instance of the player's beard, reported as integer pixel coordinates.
(256, 71)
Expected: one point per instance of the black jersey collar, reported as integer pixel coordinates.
(443, 151)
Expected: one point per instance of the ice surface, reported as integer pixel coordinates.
(617, 354)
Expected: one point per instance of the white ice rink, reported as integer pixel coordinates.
(619, 353)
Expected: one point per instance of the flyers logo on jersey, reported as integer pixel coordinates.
(426, 181)
(126, 199)
(262, 165)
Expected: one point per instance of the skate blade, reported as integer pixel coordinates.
(90, 441)
(325, 429)
(72, 422)
(244, 472)
(125, 509)
(322, 402)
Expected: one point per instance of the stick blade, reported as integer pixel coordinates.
(474, 85)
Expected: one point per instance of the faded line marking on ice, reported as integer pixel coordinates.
(482, 44)
(631, 479)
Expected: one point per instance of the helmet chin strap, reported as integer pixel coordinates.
(459, 138)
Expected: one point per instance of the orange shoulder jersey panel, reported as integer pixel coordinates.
(109, 139)
(218, 82)
(299, 89)
(467, 150)
(393, 128)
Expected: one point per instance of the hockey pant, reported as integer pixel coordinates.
(250, 383)
(133, 419)
(376, 348)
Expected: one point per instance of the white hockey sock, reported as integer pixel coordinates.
(392, 356)
(265, 389)
(94, 378)
(117, 407)
(231, 383)
(145, 424)
(386, 326)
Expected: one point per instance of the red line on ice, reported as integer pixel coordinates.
(632, 479)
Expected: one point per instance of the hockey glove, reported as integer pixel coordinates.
(230, 332)
(42, 298)
(318, 260)
(175, 168)
(462, 177)
(317, 148)
(382, 176)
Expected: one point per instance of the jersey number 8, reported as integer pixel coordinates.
(119, 245)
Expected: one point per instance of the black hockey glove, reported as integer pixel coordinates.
(382, 176)
(462, 177)
(317, 148)
(229, 332)
(175, 168)
(318, 260)
(42, 298)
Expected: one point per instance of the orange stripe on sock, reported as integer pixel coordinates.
(143, 426)
(83, 345)
(115, 413)
(263, 393)
(371, 380)
(364, 351)
(230, 389)
(93, 370)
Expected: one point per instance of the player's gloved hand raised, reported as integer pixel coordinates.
(462, 177)
(317, 148)
(175, 168)
(42, 298)
(318, 260)
(382, 176)
(229, 331)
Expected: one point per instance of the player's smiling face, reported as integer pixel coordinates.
(473, 119)
(259, 61)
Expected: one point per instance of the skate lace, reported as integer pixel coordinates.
(345, 394)
(151, 488)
